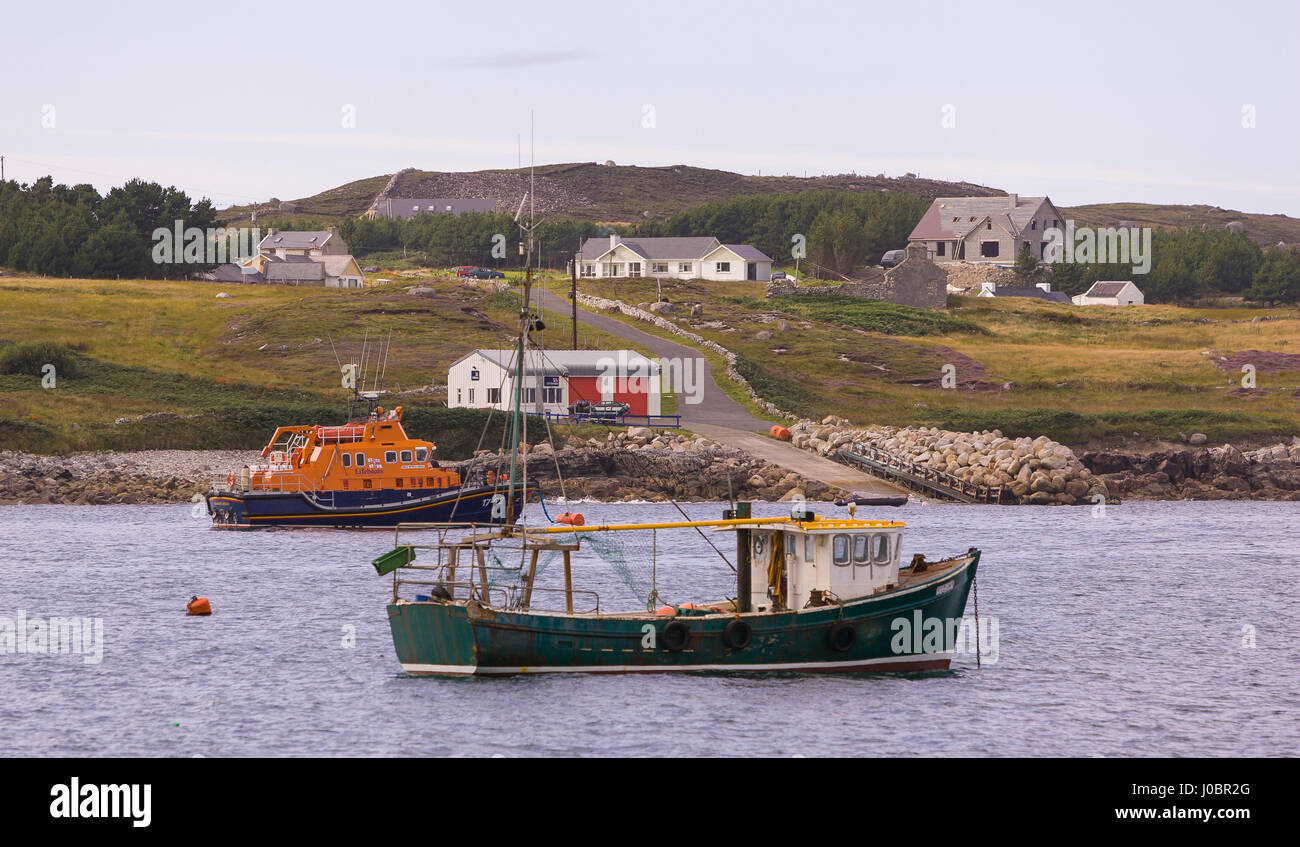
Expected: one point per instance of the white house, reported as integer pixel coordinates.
(697, 257)
(985, 229)
(1114, 293)
(290, 257)
(554, 379)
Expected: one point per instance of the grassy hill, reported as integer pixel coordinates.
(1266, 230)
(610, 194)
(1083, 375)
(627, 193)
(149, 364)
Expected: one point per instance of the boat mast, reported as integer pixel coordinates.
(519, 425)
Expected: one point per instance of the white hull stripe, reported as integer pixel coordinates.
(876, 664)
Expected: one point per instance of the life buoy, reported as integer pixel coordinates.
(841, 636)
(737, 634)
(675, 636)
(230, 480)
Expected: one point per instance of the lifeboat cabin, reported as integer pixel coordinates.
(364, 473)
(822, 562)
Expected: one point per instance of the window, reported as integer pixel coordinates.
(722, 267)
(684, 267)
(530, 395)
(989, 249)
(880, 549)
(808, 546)
(399, 482)
(614, 269)
(1055, 223)
(421, 454)
(347, 460)
(861, 550)
(588, 269)
(552, 395)
(390, 457)
(758, 544)
(840, 550)
(471, 395)
(415, 208)
(361, 460)
(988, 225)
(1033, 224)
(494, 395)
(458, 396)
(633, 268)
(659, 268)
(367, 483)
(938, 248)
(407, 456)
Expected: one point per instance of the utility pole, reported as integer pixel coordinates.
(2, 168)
(573, 295)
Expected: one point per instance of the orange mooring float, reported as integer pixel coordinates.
(198, 606)
(779, 432)
(571, 519)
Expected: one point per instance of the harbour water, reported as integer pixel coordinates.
(1151, 629)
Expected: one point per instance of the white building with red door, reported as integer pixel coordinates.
(555, 379)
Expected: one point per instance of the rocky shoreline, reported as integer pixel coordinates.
(640, 464)
(637, 464)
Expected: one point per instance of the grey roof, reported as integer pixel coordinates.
(294, 240)
(1030, 291)
(1105, 289)
(954, 217)
(748, 252)
(295, 271)
(408, 207)
(669, 249)
(228, 273)
(573, 362)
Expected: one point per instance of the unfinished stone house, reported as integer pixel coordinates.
(985, 229)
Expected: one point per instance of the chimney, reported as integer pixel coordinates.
(988, 289)
(1046, 286)
(332, 230)
(613, 240)
(272, 231)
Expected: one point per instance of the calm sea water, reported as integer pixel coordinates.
(1121, 635)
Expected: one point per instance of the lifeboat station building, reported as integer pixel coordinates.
(553, 380)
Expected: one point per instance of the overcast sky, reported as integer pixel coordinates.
(1085, 102)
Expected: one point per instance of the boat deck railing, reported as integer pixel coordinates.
(280, 483)
(476, 550)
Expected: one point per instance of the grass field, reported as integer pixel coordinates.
(204, 372)
(1084, 375)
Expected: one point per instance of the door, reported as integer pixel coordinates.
(751, 271)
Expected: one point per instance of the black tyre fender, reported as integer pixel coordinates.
(675, 636)
(841, 636)
(737, 634)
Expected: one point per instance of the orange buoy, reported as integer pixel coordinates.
(666, 611)
(198, 606)
(779, 432)
(571, 519)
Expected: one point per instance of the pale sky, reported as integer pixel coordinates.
(1095, 102)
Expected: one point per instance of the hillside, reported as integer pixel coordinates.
(604, 193)
(1265, 230)
(628, 193)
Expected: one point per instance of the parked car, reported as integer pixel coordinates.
(892, 257)
(463, 270)
(372, 269)
(486, 273)
(778, 274)
(607, 410)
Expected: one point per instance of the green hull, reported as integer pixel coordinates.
(446, 638)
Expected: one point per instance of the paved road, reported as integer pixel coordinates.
(721, 418)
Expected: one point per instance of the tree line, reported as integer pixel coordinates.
(73, 231)
(1188, 265)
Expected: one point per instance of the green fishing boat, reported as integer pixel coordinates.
(812, 594)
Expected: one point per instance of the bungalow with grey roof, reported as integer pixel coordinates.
(691, 257)
(401, 208)
(1111, 293)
